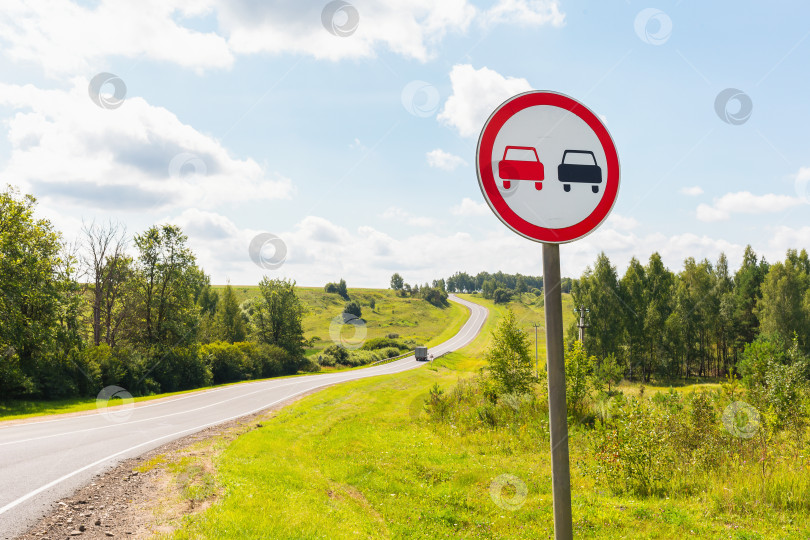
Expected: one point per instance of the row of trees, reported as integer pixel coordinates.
(436, 294)
(696, 322)
(73, 317)
(488, 283)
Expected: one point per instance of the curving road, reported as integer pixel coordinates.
(42, 462)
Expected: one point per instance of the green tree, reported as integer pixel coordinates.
(38, 303)
(608, 373)
(634, 299)
(277, 319)
(659, 289)
(343, 291)
(230, 318)
(598, 290)
(167, 282)
(501, 295)
(781, 310)
(578, 378)
(508, 360)
(397, 282)
(488, 288)
(747, 292)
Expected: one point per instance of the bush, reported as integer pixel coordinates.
(382, 343)
(228, 362)
(331, 288)
(501, 296)
(353, 308)
(180, 368)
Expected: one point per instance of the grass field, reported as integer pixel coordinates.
(411, 318)
(361, 460)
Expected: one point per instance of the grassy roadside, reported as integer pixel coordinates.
(361, 460)
(412, 318)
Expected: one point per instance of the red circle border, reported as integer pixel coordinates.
(489, 187)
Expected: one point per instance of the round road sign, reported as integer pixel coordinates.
(547, 167)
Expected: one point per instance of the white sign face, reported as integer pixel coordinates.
(547, 167)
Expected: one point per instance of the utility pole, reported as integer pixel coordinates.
(536, 364)
(582, 324)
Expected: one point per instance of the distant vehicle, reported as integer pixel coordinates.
(521, 169)
(421, 354)
(577, 173)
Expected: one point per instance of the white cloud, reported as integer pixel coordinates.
(622, 223)
(468, 207)
(403, 216)
(476, 92)
(65, 37)
(319, 251)
(692, 191)
(744, 202)
(410, 28)
(67, 150)
(444, 160)
(68, 37)
(526, 12)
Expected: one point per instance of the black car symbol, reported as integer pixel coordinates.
(575, 173)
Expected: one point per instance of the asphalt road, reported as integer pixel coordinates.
(42, 462)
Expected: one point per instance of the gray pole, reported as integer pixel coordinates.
(536, 363)
(557, 412)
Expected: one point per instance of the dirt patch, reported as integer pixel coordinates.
(149, 495)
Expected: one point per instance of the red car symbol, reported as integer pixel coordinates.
(519, 169)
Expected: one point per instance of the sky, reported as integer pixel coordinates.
(316, 140)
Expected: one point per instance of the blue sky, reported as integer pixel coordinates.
(244, 117)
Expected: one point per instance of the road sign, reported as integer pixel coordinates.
(565, 152)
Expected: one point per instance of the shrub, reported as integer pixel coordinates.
(353, 308)
(180, 368)
(382, 343)
(227, 362)
(331, 288)
(501, 296)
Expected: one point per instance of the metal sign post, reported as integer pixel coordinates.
(557, 411)
(548, 169)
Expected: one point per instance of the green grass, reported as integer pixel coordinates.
(359, 461)
(411, 318)
(19, 409)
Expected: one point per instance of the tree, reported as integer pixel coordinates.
(501, 295)
(167, 278)
(277, 319)
(520, 285)
(38, 303)
(634, 298)
(578, 378)
(105, 262)
(397, 282)
(747, 292)
(353, 308)
(488, 288)
(608, 372)
(598, 290)
(658, 299)
(342, 290)
(508, 359)
(230, 318)
(781, 310)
